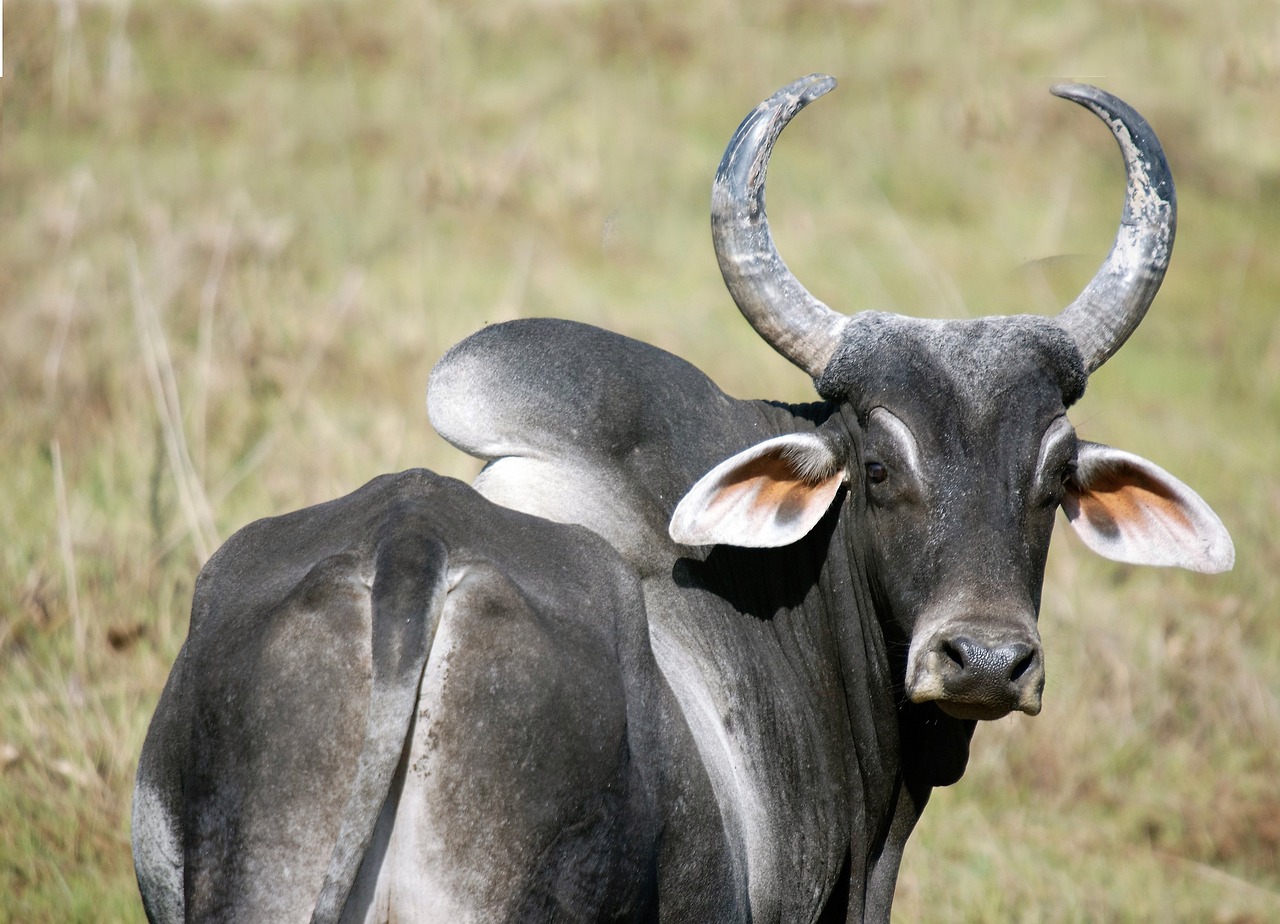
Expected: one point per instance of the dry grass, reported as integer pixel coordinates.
(234, 237)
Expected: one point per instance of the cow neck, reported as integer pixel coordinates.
(781, 654)
(865, 635)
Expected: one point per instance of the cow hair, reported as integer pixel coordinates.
(974, 352)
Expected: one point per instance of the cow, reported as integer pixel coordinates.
(674, 654)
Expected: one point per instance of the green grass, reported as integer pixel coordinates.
(234, 238)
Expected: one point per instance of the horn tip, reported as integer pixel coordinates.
(825, 81)
(811, 87)
(1076, 92)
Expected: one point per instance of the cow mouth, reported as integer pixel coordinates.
(983, 712)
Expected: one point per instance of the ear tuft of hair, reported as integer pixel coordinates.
(809, 463)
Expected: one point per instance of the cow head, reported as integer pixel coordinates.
(955, 432)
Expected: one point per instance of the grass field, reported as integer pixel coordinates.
(235, 237)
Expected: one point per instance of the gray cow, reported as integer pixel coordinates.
(729, 696)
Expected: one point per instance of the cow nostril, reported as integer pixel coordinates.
(954, 654)
(1022, 666)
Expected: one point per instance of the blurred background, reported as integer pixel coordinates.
(236, 236)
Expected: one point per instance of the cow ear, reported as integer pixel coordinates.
(1128, 509)
(767, 496)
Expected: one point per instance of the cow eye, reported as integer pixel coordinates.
(876, 472)
(1069, 474)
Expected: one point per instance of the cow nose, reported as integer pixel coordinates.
(988, 680)
(978, 663)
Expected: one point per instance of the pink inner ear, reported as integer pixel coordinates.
(1129, 510)
(769, 488)
(761, 498)
(1113, 503)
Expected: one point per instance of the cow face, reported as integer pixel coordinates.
(965, 451)
(966, 446)
(965, 454)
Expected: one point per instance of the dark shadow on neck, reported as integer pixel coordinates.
(762, 582)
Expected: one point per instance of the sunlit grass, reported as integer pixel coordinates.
(234, 238)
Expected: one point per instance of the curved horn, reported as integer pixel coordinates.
(1112, 305)
(782, 311)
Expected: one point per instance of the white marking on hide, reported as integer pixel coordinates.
(903, 436)
(1059, 431)
(742, 802)
(157, 850)
(533, 486)
(578, 496)
(415, 884)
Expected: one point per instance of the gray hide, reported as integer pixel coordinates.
(726, 698)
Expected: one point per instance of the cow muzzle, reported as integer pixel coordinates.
(972, 677)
